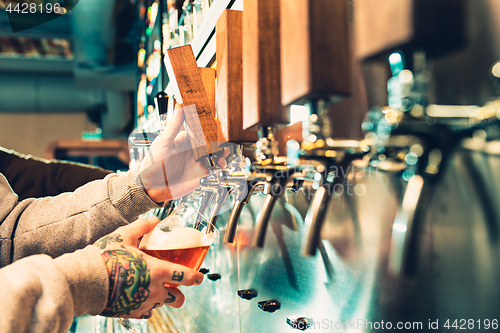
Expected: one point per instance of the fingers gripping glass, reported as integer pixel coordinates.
(184, 238)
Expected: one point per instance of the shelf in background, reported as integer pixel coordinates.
(36, 65)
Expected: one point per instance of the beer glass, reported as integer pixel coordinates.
(183, 237)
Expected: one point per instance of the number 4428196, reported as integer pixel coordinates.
(31, 8)
(470, 324)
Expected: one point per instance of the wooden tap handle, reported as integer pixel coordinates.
(228, 34)
(261, 65)
(200, 123)
(208, 80)
(315, 50)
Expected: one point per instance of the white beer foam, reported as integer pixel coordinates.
(177, 238)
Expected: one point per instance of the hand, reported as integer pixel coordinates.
(136, 279)
(169, 170)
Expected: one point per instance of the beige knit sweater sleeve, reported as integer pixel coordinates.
(41, 294)
(69, 221)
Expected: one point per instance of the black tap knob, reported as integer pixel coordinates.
(270, 305)
(247, 293)
(214, 276)
(204, 270)
(162, 99)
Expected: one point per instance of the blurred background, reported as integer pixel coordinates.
(87, 70)
(75, 88)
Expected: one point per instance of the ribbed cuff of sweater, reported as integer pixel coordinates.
(87, 278)
(128, 195)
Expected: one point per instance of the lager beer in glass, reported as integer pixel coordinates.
(184, 238)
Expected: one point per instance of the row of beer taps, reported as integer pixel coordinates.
(407, 137)
(403, 138)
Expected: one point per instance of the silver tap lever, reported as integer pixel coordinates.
(242, 193)
(232, 222)
(403, 227)
(346, 152)
(205, 198)
(221, 195)
(265, 214)
(274, 189)
(314, 219)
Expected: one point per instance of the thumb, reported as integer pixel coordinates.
(174, 124)
(139, 228)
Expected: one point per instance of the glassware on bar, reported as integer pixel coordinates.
(184, 238)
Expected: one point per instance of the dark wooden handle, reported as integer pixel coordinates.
(315, 50)
(228, 34)
(436, 27)
(198, 112)
(261, 65)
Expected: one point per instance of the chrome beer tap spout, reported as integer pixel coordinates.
(323, 160)
(205, 197)
(416, 151)
(242, 192)
(416, 141)
(406, 138)
(276, 175)
(329, 171)
(213, 186)
(243, 185)
(232, 180)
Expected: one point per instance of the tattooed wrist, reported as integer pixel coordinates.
(129, 280)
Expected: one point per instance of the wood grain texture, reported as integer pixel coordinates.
(228, 33)
(261, 65)
(315, 52)
(208, 80)
(390, 27)
(197, 108)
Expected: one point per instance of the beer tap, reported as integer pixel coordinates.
(262, 108)
(416, 141)
(278, 175)
(162, 103)
(404, 142)
(318, 79)
(231, 136)
(221, 183)
(196, 93)
(329, 159)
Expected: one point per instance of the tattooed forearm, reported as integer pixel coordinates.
(178, 276)
(128, 281)
(103, 242)
(170, 298)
